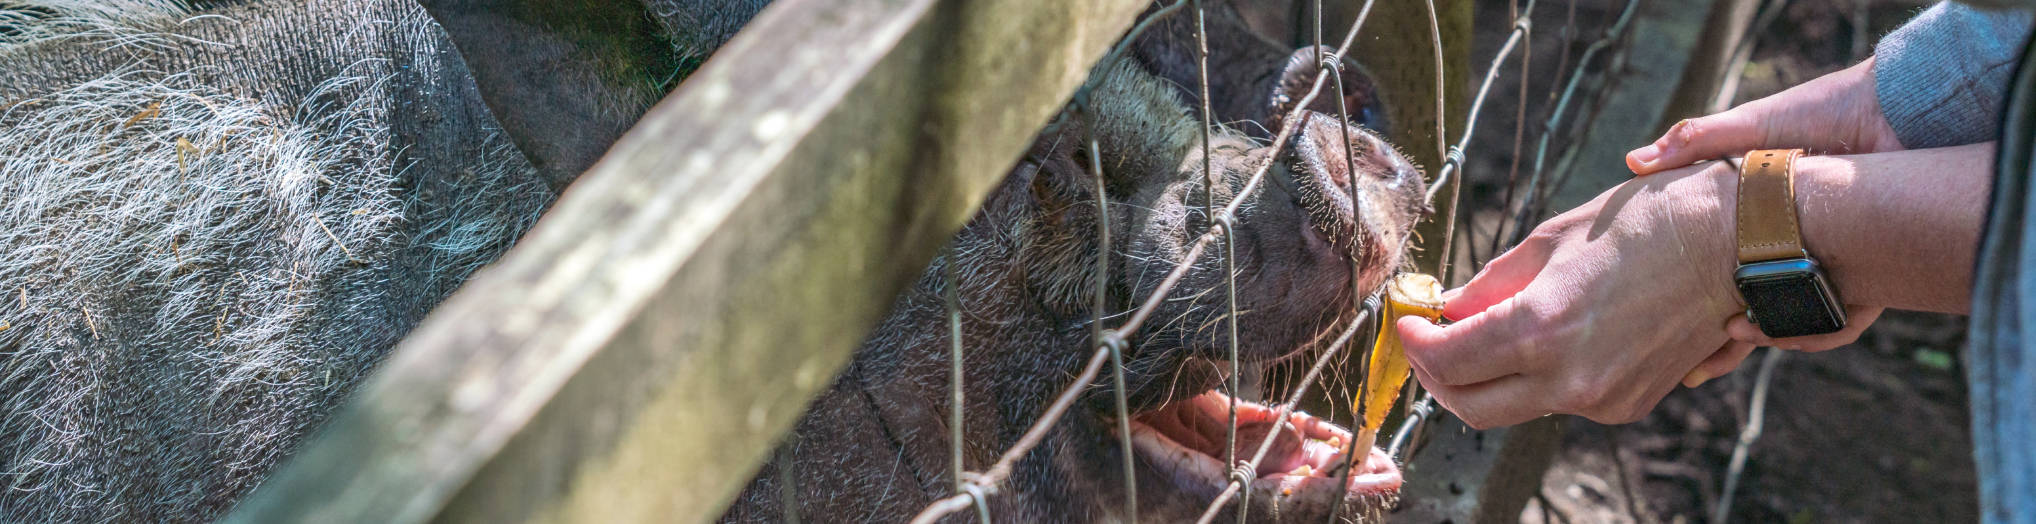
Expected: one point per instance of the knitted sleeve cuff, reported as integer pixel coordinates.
(1940, 77)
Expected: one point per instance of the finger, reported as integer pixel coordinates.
(1718, 364)
(1500, 402)
(1501, 279)
(1485, 346)
(1689, 141)
(1857, 319)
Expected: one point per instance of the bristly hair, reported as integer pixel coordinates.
(166, 249)
(111, 22)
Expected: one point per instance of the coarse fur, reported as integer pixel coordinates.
(202, 258)
(697, 28)
(197, 270)
(105, 22)
(874, 447)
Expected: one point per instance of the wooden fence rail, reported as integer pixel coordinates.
(638, 355)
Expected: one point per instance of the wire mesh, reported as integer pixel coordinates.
(972, 489)
(1419, 412)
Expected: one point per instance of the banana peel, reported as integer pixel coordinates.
(1407, 294)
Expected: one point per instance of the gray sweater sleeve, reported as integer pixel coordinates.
(1940, 77)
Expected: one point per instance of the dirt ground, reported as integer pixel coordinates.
(1876, 431)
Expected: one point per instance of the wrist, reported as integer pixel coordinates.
(1717, 237)
(1787, 292)
(1897, 229)
(1871, 131)
(1822, 185)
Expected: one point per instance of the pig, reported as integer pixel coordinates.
(215, 219)
(874, 446)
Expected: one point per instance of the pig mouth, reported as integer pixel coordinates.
(1184, 441)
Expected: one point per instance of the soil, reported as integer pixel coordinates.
(1875, 431)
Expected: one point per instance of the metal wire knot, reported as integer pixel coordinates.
(1112, 340)
(1422, 410)
(1242, 474)
(977, 499)
(1225, 222)
(1332, 62)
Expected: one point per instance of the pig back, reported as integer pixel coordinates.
(212, 228)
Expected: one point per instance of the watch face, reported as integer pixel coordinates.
(1789, 298)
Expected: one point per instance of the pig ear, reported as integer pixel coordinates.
(1361, 96)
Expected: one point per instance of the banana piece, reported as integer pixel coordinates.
(1407, 294)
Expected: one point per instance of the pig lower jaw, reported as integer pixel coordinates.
(1184, 441)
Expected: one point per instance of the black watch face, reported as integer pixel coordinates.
(1789, 298)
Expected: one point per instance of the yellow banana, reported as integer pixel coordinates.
(1407, 294)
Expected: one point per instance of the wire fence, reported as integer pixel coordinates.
(1419, 412)
(972, 489)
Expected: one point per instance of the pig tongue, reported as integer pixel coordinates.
(1287, 451)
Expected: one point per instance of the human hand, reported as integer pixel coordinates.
(1838, 113)
(1600, 312)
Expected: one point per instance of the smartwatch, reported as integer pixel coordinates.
(1786, 293)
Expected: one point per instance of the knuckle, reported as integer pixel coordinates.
(1530, 310)
(1613, 417)
(1582, 395)
(1609, 411)
(1544, 237)
(1690, 130)
(1630, 411)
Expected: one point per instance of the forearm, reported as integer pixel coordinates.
(1897, 229)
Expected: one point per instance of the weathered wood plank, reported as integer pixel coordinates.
(638, 355)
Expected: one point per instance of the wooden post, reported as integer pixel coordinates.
(638, 355)
(1672, 57)
(1397, 48)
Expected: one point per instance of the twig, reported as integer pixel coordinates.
(1747, 435)
(1532, 193)
(1743, 53)
(1453, 156)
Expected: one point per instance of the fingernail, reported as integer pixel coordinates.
(1646, 155)
(1695, 378)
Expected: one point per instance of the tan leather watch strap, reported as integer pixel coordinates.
(1767, 207)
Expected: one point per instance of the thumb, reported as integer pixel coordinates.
(1499, 280)
(1729, 133)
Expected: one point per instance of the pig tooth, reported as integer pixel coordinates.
(1302, 471)
(1334, 442)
